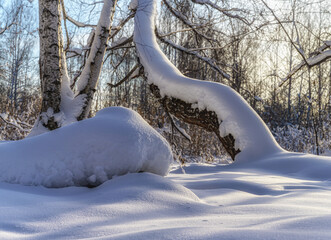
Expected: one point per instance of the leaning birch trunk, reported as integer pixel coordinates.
(50, 62)
(87, 83)
(211, 105)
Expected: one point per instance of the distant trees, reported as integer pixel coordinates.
(244, 47)
(18, 91)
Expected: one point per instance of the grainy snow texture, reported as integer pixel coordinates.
(116, 141)
(252, 136)
(209, 202)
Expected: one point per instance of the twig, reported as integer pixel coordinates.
(127, 77)
(173, 124)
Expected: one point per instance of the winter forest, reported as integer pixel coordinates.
(165, 119)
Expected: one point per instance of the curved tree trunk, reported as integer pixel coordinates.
(203, 118)
(211, 105)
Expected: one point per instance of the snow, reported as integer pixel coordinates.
(133, 4)
(267, 193)
(208, 202)
(71, 106)
(252, 136)
(116, 141)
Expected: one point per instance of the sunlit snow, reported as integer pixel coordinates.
(116, 141)
(208, 202)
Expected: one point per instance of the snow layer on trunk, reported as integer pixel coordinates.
(252, 136)
(103, 24)
(115, 142)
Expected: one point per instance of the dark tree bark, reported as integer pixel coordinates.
(208, 120)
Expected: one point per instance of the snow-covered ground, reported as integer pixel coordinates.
(267, 193)
(206, 202)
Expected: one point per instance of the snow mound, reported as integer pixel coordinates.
(81, 213)
(114, 142)
(208, 202)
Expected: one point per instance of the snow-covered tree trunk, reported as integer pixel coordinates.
(59, 106)
(50, 62)
(202, 118)
(90, 75)
(213, 106)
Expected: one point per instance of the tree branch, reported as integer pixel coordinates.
(127, 77)
(194, 53)
(182, 18)
(300, 51)
(224, 11)
(319, 56)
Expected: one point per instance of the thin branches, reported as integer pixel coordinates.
(188, 23)
(224, 11)
(172, 121)
(132, 74)
(317, 57)
(13, 22)
(209, 61)
(16, 125)
(299, 50)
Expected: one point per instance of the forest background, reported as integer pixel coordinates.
(252, 46)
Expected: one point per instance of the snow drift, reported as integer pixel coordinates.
(114, 142)
(208, 202)
(237, 118)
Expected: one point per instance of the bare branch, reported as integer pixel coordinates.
(300, 51)
(224, 11)
(65, 24)
(320, 56)
(117, 28)
(7, 26)
(129, 76)
(188, 23)
(15, 125)
(209, 61)
(122, 42)
(77, 23)
(173, 124)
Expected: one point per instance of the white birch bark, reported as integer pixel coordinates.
(86, 85)
(50, 62)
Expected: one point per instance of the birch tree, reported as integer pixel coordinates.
(208, 57)
(50, 63)
(60, 104)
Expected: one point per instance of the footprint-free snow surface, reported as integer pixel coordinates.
(114, 142)
(206, 202)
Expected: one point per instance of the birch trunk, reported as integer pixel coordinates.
(50, 62)
(88, 81)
